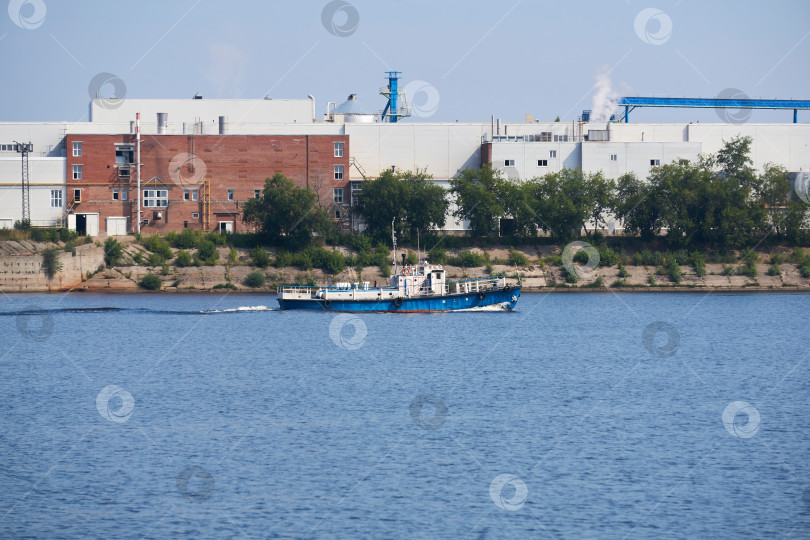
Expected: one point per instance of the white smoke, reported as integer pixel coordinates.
(605, 99)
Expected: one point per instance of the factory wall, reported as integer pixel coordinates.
(234, 166)
(45, 175)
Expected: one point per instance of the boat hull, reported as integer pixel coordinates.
(473, 301)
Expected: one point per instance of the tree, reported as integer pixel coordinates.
(519, 203)
(565, 202)
(286, 213)
(786, 213)
(409, 199)
(50, 262)
(112, 252)
(479, 196)
(635, 204)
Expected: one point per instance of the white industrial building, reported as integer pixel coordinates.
(519, 150)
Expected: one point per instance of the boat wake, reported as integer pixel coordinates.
(503, 306)
(31, 311)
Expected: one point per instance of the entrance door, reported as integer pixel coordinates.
(226, 226)
(81, 224)
(92, 224)
(116, 226)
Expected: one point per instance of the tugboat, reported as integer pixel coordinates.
(420, 288)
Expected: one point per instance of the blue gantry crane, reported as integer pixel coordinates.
(393, 111)
(630, 103)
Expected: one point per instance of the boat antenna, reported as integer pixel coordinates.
(394, 242)
(418, 251)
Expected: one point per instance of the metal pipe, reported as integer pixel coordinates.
(138, 139)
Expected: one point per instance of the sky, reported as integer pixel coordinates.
(461, 60)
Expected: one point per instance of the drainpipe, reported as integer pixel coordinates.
(138, 164)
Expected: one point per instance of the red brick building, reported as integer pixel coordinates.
(196, 181)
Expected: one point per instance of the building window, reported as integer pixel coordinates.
(614, 157)
(338, 172)
(195, 194)
(542, 163)
(509, 163)
(338, 149)
(56, 198)
(77, 195)
(230, 194)
(115, 194)
(257, 194)
(655, 162)
(337, 214)
(77, 149)
(195, 215)
(77, 172)
(123, 194)
(338, 195)
(124, 154)
(186, 194)
(560, 138)
(119, 194)
(552, 153)
(156, 198)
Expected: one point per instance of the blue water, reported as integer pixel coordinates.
(170, 417)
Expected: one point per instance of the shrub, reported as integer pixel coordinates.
(255, 279)
(774, 270)
(158, 245)
(137, 258)
(260, 257)
(516, 258)
(207, 251)
(674, 271)
(749, 256)
(748, 269)
(385, 270)
(554, 260)
(777, 259)
(187, 239)
(607, 257)
(233, 255)
(151, 282)
(798, 256)
(112, 252)
(623, 273)
(283, 259)
(581, 257)
(595, 284)
(50, 262)
(570, 277)
(619, 283)
(467, 259)
(699, 264)
(804, 269)
(229, 285)
(164, 270)
(156, 259)
(22, 225)
(411, 258)
(437, 255)
(183, 259)
(651, 279)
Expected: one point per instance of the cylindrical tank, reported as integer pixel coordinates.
(223, 125)
(353, 112)
(162, 121)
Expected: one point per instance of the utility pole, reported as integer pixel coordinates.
(138, 165)
(23, 149)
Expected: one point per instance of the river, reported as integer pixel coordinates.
(628, 415)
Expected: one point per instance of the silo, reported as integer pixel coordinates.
(162, 121)
(223, 125)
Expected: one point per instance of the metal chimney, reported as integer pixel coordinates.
(223, 125)
(162, 122)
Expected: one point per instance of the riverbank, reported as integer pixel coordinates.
(83, 269)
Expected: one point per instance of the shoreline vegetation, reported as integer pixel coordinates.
(712, 224)
(193, 261)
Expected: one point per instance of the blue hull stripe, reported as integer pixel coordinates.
(411, 305)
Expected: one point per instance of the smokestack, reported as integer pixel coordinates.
(499, 126)
(162, 121)
(403, 259)
(223, 125)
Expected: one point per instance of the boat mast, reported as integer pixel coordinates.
(394, 242)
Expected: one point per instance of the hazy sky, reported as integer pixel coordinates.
(474, 58)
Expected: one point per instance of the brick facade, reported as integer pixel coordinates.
(172, 164)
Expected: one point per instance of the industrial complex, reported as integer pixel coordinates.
(156, 165)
